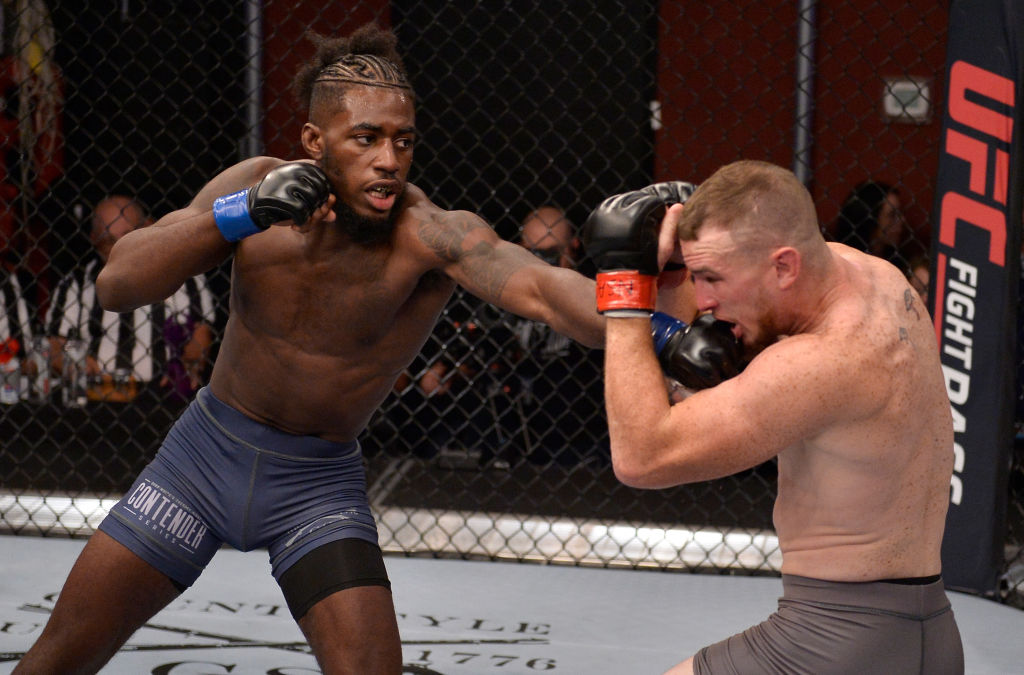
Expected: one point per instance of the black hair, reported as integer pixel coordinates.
(858, 217)
(313, 86)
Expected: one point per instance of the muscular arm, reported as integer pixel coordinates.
(784, 396)
(510, 277)
(151, 263)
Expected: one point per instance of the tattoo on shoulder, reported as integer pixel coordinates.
(909, 303)
(447, 237)
(904, 335)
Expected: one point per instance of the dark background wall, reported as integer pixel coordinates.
(727, 82)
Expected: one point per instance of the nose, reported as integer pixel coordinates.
(387, 158)
(703, 297)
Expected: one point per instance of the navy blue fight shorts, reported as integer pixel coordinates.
(221, 477)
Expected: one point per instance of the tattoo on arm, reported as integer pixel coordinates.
(447, 239)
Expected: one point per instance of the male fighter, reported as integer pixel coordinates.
(340, 271)
(844, 387)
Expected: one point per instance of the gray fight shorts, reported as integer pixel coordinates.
(828, 627)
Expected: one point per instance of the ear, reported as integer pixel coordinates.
(312, 141)
(787, 263)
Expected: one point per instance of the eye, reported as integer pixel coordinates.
(364, 139)
(405, 143)
(704, 278)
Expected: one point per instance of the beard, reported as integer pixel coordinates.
(365, 230)
(768, 328)
(768, 333)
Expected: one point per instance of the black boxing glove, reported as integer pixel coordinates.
(671, 192)
(698, 356)
(621, 235)
(288, 192)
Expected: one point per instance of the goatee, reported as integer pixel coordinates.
(367, 231)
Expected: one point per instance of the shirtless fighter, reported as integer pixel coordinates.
(340, 271)
(843, 386)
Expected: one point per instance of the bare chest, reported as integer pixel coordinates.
(339, 308)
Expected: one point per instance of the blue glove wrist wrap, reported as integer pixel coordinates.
(231, 213)
(663, 327)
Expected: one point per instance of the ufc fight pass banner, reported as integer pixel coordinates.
(976, 262)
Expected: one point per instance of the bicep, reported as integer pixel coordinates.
(777, 402)
(237, 177)
(480, 261)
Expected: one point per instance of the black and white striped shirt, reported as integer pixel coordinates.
(15, 321)
(141, 340)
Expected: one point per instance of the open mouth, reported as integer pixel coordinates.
(382, 196)
(737, 332)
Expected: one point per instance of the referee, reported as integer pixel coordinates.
(161, 347)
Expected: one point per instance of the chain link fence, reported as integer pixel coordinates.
(493, 443)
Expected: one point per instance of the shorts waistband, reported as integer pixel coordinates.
(913, 599)
(266, 438)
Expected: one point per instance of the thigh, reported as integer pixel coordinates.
(818, 639)
(159, 521)
(943, 648)
(355, 631)
(335, 565)
(109, 594)
(340, 596)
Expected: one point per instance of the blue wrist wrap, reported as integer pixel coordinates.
(663, 327)
(231, 213)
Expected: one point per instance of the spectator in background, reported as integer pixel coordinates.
(871, 220)
(551, 236)
(919, 275)
(163, 347)
(455, 392)
(502, 388)
(15, 334)
(31, 139)
(553, 410)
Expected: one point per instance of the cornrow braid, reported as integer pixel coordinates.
(369, 57)
(367, 69)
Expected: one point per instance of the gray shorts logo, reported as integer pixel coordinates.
(324, 521)
(165, 515)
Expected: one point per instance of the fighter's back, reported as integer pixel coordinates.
(866, 497)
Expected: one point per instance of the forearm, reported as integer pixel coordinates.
(513, 279)
(150, 264)
(676, 297)
(636, 401)
(569, 297)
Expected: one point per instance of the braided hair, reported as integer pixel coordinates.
(367, 57)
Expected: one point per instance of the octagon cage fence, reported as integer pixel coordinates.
(493, 444)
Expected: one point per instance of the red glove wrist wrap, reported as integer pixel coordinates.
(626, 289)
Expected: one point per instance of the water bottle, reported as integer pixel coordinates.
(10, 381)
(73, 381)
(40, 355)
(124, 385)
